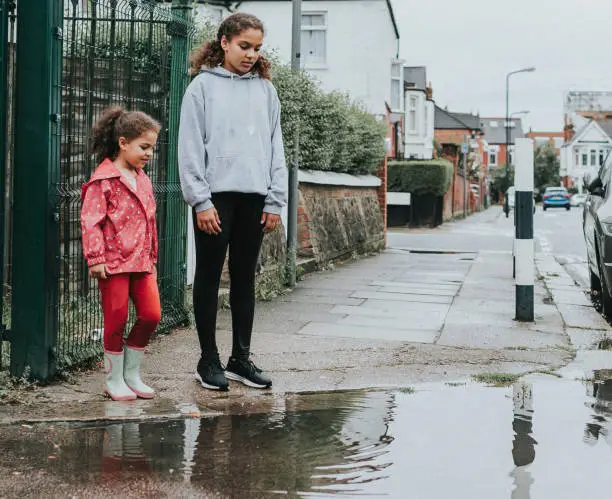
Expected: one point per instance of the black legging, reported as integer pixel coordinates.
(242, 230)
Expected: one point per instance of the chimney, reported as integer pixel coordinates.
(568, 132)
(429, 91)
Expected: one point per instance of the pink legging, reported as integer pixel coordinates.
(116, 291)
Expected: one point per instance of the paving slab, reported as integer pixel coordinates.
(587, 338)
(376, 309)
(410, 284)
(576, 316)
(374, 295)
(433, 322)
(493, 336)
(369, 332)
(570, 297)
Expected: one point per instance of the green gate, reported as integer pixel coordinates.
(93, 54)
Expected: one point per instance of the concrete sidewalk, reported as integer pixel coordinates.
(390, 320)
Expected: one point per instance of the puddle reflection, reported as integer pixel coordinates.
(527, 441)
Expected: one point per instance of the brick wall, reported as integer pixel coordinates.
(337, 221)
(450, 136)
(382, 195)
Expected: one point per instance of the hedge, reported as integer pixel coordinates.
(335, 133)
(420, 177)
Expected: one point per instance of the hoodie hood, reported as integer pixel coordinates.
(224, 73)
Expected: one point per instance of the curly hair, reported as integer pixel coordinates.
(211, 54)
(116, 122)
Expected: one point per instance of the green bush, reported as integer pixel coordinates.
(420, 177)
(335, 133)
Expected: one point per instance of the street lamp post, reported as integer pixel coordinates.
(507, 125)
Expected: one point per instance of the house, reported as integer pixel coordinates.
(451, 131)
(454, 128)
(494, 130)
(419, 120)
(587, 148)
(348, 45)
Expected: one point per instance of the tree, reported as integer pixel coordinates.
(500, 182)
(546, 167)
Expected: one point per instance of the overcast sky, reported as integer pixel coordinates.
(469, 47)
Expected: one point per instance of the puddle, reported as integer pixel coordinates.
(549, 439)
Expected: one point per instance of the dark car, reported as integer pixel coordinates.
(556, 197)
(597, 227)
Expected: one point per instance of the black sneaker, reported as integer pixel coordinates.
(247, 373)
(210, 374)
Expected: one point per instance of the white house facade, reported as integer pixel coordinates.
(419, 125)
(348, 45)
(586, 150)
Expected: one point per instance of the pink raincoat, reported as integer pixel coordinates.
(118, 223)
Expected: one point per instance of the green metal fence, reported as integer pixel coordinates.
(107, 52)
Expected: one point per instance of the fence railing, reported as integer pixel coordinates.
(105, 52)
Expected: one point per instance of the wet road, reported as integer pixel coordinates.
(541, 438)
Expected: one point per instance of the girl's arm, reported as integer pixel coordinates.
(277, 193)
(192, 152)
(93, 215)
(155, 242)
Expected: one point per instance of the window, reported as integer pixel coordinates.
(412, 114)
(314, 38)
(493, 158)
(396, 86)
(601, 158)
(577, 162)
(585, 159)
(593, 157)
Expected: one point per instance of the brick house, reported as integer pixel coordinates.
(451, 130)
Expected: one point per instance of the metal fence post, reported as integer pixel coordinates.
(37, 159)
(175, 228)
(4, 106)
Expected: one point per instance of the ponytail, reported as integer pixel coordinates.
(116, 122)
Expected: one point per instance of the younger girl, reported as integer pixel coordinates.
(232, 169)
(120, 243)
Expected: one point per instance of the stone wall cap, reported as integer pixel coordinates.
(333, 178)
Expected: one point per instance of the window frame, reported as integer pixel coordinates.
(322, 27)
(413, 126)
(399, 79)
(493, 154)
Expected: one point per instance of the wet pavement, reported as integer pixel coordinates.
(541, 438)
(373, 393)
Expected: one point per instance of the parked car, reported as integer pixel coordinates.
(556, 197)
(597, 227)
(578, 200)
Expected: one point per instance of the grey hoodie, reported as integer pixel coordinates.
(230, 139)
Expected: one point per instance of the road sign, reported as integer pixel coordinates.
(465, 148)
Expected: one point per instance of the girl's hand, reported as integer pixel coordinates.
(98, 271)
(209, 221)
(270, 221)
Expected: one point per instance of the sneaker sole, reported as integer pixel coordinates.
(210, 387)
(244, 381)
